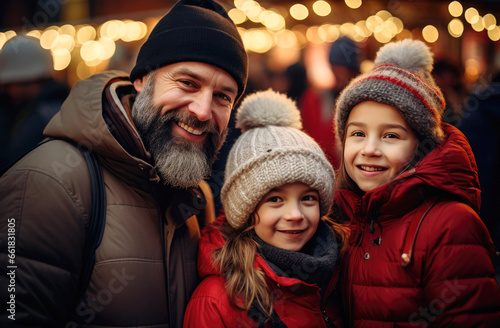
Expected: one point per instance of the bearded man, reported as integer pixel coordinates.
(155, 134)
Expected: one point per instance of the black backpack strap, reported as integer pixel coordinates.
(97, 219)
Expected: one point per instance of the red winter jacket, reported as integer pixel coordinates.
(449, 281)
(299, 304)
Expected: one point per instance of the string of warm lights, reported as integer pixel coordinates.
(90, 46)
(383, 26)
(86, 44)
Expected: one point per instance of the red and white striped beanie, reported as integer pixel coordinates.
(401, 77)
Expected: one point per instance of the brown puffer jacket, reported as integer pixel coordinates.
(150, 236)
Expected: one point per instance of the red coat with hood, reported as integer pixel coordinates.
(449, 281)
(299, 304)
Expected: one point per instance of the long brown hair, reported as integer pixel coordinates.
(341, 232)
(245, 283)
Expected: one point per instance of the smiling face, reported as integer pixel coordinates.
(204, 91)
(378, 144)
(288, 216)
(181, 112)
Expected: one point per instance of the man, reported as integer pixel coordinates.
(156, 135)
(29, 96)
(317, 105)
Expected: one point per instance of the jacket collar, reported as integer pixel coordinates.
(81, 119)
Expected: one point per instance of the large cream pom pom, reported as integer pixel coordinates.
(408, 54)
(266, 108)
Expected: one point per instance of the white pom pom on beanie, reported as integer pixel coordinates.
(401, 77)
(272, 151)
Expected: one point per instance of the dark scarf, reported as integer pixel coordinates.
(313, 264)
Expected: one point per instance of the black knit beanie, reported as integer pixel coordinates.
(344, 52)
(195, 30)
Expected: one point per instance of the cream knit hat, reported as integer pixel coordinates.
(271, 152)
(401, 77)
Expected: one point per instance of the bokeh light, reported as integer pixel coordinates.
(471, 14)
(87, 48)
(274, 22)
(472, 70)
(108, 48)
(48, 39)
(494, 34)
(62, 58)
(322, 8)
(258, 40)
(34, 33)
(384, 14)
(430, 33)
(285, 39)
(299, 12)
(113, 29)
(91, 50)
(456, 28)
(373, 22)
(254, 12)
(85, 33)
(455, 9)
(398, 23)
(365, 66)
(489, 21)
(237, 15)
(3, 39)
(353, 4)
(477, 23)
(67, 29)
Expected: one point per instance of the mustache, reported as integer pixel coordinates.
(190, 120)
(158, 125)
(160, 128)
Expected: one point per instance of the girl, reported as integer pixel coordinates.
(419, 254)
(271, 259)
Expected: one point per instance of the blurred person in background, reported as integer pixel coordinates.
(29, 96)
(448, 77)
(296, 75)
(317, 106)
(481, 126)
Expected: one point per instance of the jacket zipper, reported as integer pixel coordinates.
(330, 290)
(348, 283)
(166, 274)
(328, 321)
(163, 239)
(349, 271)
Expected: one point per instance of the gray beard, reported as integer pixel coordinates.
(179, 162)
